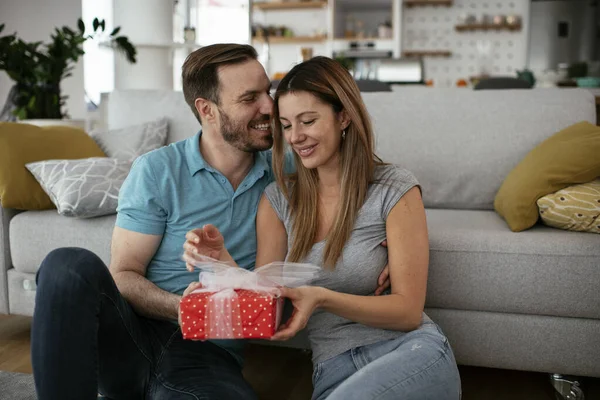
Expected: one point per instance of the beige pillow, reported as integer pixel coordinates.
(575, 208)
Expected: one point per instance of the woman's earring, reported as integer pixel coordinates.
(344, 134)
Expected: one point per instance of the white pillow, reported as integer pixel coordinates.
(131, 142)
(82, 188)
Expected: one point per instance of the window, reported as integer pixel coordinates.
(98, 62)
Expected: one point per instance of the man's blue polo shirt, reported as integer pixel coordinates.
(172, 190)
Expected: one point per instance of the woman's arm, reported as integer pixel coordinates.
(408, 259)
(271, 237)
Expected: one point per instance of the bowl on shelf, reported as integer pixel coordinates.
(588, 82)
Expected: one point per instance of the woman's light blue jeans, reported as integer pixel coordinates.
(419, 365)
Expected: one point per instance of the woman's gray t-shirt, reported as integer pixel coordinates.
(357, 270)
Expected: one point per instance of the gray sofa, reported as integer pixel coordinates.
(525, 301)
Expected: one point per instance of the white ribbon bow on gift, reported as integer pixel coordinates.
(217, 275)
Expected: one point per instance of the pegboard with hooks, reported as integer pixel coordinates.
(490, 45)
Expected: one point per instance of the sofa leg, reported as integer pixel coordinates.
(566, 388)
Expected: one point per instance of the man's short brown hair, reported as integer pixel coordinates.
(199, 71)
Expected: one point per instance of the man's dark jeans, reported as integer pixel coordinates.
(86, 338)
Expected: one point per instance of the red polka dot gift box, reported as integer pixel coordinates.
(234, 303)
(230, 314)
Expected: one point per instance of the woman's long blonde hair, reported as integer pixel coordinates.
(331, 83)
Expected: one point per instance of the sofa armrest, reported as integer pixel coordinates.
(6, 215)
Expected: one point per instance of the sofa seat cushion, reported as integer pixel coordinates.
(477, 263)
(33, 234)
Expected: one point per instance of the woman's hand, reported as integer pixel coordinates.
(206, 241)
(305, 300)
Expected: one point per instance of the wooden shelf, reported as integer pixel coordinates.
(366, 39)
(289, 5)
(427, 53)
(417, 3)
(487, 27)
(293, 39)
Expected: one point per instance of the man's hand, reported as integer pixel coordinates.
(191, 287)
(305, 299)
(206, 241)
(384, 279)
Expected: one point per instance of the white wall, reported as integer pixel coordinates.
(35, 20)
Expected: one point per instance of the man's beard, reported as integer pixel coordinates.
(236, 134)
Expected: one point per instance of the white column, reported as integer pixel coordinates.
(149, 26)
(397, 9)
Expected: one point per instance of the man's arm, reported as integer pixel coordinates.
(131, 253)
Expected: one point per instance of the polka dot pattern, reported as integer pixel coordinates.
(246, 315)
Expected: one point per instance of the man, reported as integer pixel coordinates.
(115, 330)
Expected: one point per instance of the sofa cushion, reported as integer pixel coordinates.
(33, 234)
(24, 143)
(569, 157)
(130, 142)
(461, 157)
(477, 263)
(82, 188)
(129, 107)
(575, 208)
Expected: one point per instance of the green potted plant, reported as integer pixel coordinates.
(346, 62)
(38, 68)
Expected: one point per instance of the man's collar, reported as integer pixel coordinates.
(261, 162)
(196, 162)
(194, 158)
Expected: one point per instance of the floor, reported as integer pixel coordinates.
(285, 374)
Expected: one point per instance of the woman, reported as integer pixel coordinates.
(334, 212)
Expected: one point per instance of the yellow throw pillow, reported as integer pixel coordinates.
(569, 157)
(24, 143)
(575, 208)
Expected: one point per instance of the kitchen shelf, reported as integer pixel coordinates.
(487, 27)
(427, 53)
(172, 45)
(365, 39)
(293, 39)
(416, 3)
(289, 5)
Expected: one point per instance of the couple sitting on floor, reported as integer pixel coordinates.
(223, 193)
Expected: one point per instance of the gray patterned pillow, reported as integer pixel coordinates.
(131, 142)
(82, 188)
